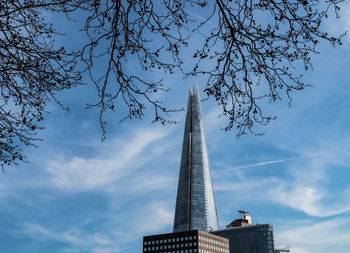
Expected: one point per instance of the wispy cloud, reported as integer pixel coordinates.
(338, 26)
(157, 216)
(149, 218)
(313, 200)
(303, 186)
(76, 239)
(322, 237)
(212, 119)
(345, 18)
(120, 159)
(307, 189)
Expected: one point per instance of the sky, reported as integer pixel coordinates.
(78, 194)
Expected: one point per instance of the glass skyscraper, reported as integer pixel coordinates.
(195, 203)
(195, 210)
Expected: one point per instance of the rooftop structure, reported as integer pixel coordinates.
(195, 203)
(246, 237)
(246, 220)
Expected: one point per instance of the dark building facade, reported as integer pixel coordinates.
(194, 241)
(249, 238)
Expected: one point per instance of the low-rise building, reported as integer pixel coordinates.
(194, 241)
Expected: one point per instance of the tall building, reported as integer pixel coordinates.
(195, 203)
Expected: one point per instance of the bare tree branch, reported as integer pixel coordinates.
(31, 71)
(256, 46)
(250, 53)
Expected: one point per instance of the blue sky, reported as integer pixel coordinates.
(80, 195)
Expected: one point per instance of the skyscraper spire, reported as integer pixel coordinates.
(195, 203)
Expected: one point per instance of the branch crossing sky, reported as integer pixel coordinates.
(80, 195)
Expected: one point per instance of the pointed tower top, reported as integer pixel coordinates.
(195, 203)
(191, 90)
(196, 91)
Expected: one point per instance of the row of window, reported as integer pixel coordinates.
(212, 247)
(209, 251)
(173, 246)
(180, 251)
(212, 241)
(169, 240)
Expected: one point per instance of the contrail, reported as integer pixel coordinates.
(216, 172)
(240, 167)
(199, 17)
(275, 161)
(257, 164)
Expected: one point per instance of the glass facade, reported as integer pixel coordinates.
(249, 239)
(195, 203)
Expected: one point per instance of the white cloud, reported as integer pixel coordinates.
(311, 200)
(346, 17)
(121, 159)
(76, 239)
(157, 216)
(322, 237)
(147, 219)
(338, 26)
(306, 187)
(151, 182)
(212, 121)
